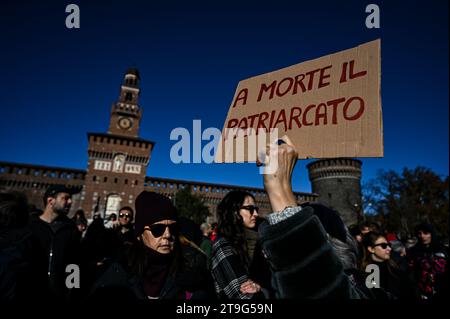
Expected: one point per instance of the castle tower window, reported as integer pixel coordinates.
(115, 180)
(105, 179)
(128, 96)
(126, 181)
(119, 161)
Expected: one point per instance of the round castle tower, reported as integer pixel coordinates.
(337, 181)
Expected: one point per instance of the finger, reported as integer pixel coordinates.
(244, 287)
(261, 159)
(265, 155)
(272, 162)
(287, 140)
(289, 145)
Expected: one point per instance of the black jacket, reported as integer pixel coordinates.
(191, 280)
(304, 264)
(18, 278)
(58, 245)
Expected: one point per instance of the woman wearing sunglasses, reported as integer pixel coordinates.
(124, 225)
(238, 267)
(154, 267)
(377, 251)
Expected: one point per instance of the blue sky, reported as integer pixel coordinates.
(58, 83)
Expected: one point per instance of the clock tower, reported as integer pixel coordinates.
(118, 159)
(126, 113)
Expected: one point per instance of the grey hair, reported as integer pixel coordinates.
(346, 251)
(204, 226)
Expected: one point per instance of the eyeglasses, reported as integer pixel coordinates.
(123, 215)
(158, 230)
(251, 208)
(384, 245)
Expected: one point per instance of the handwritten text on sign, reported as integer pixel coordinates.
(329, 107)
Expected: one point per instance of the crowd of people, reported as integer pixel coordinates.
(301, 250)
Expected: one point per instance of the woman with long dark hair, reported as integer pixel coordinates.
(377, 251)
(238, 267)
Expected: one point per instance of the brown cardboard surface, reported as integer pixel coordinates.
(329, 106)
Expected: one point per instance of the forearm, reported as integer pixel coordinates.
(276, 217)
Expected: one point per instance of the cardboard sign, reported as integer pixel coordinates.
(329, 107)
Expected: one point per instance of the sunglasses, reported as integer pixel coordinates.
(384, 245)
(123, 215)
(251, 208)
(158, 230)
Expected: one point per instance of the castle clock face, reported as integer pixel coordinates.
(125, 123)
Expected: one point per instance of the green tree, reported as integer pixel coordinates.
(403, 200)
(191, 206)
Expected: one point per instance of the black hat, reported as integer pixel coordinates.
(190, 230)
(54, 190)
(152, 207)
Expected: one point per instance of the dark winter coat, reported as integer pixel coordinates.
(428, 266)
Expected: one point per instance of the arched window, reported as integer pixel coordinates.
(112, 204)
